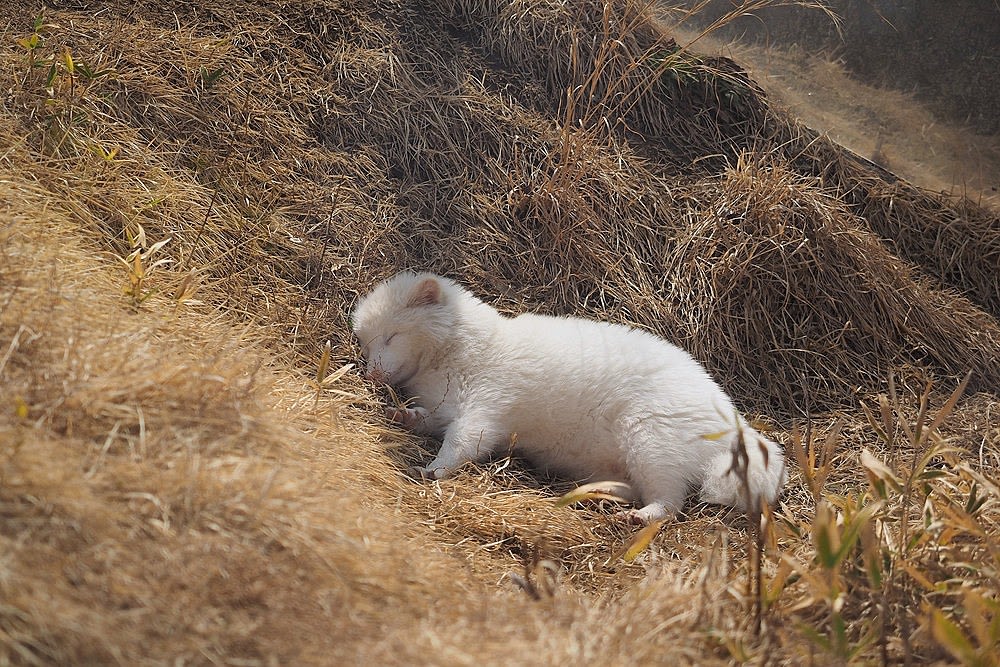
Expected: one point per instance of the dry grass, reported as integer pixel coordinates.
(193, 198)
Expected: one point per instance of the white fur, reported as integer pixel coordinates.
(588, 400)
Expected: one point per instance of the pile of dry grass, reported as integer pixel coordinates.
(158, 501)
(195, 195)
(780, 268)
(579, 213)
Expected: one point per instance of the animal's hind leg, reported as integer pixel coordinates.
(657, 472)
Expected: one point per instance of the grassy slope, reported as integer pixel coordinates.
(172, 484)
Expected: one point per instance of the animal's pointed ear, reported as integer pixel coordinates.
(426, 293)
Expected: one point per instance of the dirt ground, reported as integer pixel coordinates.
(890, 127)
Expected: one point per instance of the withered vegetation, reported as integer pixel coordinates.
(193, 195)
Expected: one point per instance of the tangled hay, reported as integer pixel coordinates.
(953, 240)
(193, 196)
(780, 269)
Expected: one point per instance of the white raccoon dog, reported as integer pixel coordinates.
(587, 400)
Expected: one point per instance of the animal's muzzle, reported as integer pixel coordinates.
(377, 374)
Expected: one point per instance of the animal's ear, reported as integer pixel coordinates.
(426, 293)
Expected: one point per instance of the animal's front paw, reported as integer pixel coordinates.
(631, 516)
(421, 474)
(644, 516)
(410, 418)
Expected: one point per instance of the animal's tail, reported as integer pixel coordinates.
(743, 482)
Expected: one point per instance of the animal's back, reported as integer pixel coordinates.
(580, 390)
(620, 365)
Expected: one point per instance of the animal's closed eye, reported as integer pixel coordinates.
(389, 338)
(366, 346)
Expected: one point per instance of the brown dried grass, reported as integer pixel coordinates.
(178, 485)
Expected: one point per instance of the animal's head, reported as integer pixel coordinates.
(403, 322)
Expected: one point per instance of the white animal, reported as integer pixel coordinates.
(589, 400)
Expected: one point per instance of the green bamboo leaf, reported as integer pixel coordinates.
(950, 636)
(211, 77)
(825, 536)
(815, 637)
(975, 501)
(852, 531)
(30, 42)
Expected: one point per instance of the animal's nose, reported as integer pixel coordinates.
(376, 374)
